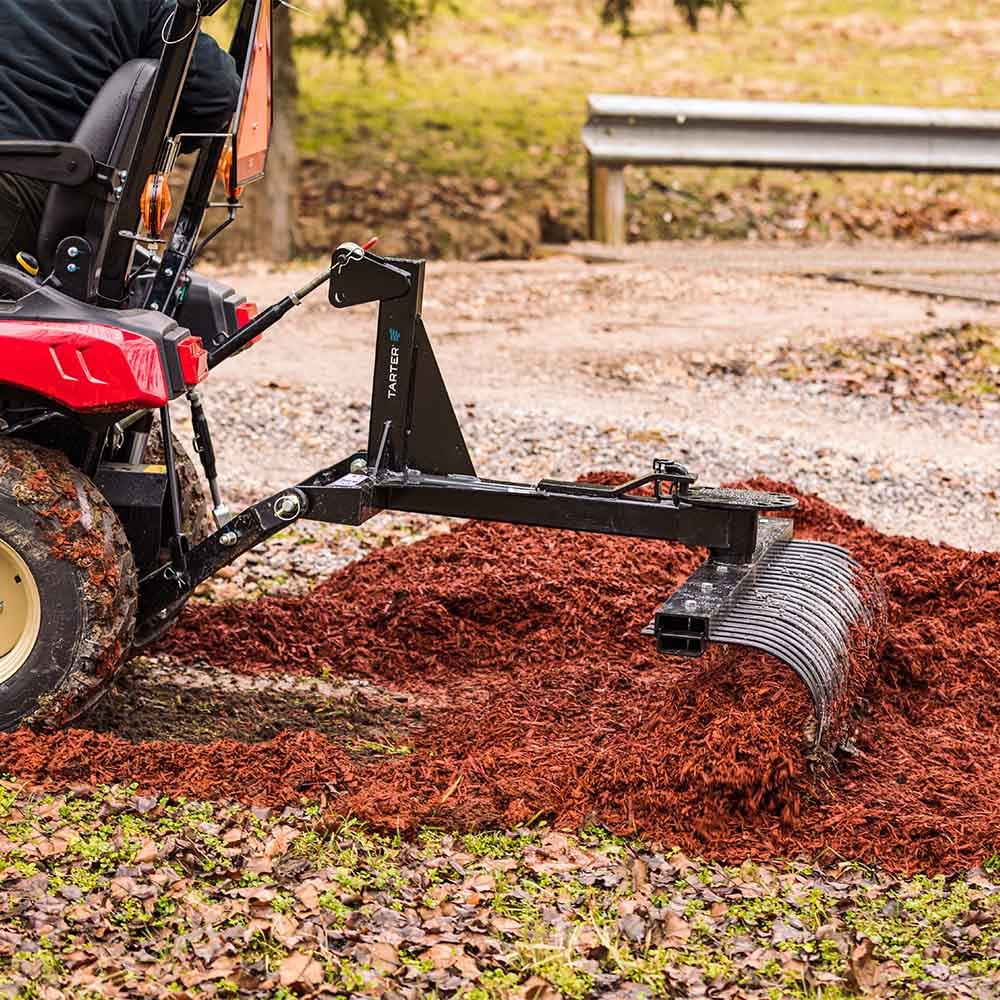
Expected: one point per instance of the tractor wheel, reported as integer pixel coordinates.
(196, 523)
(68, 588)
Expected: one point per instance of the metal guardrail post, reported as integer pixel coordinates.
(624, 130)
(607, 204)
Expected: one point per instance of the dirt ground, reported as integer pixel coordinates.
(589, 348)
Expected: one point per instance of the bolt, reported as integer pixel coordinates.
(155, 306)
(708, 587)
(690, 605)
(288, 507)
(73, 252)
(359, 465)
(169, 272)
(229, 539)
(721, 569)
(72, 268)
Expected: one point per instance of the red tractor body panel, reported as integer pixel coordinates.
(84, 366)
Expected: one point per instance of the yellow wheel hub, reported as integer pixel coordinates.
(20, 612)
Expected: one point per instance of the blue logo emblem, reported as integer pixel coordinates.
(394, 335)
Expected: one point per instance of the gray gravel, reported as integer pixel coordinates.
(953, 499)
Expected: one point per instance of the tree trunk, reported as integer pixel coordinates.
(265, 227)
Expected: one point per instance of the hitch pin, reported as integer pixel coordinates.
(297, 296)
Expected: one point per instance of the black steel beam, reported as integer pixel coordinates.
(182, 34)
(731, 531)
(343, 497)
(167, 584)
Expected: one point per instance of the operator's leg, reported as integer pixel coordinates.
(22, 201)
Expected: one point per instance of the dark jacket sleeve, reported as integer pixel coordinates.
(213, 85)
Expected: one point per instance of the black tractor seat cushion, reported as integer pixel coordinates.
(109, 130)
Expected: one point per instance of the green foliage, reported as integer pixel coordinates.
(333, 904)
(494, 984)
(360, 27)
(619, 12)
(283, 902)
(496, 844)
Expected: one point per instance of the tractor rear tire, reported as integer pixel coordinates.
(196, 523)
(68, 588)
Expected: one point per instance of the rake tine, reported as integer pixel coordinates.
(814, 661)
(820, 690)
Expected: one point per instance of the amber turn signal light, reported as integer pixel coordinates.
(155, 204)
(224, 171)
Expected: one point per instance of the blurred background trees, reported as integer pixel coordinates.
(356, 29)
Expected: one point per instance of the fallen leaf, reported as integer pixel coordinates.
(451, 956)
(384, 957)
(537, 988)
(640, 874)
(147, 852)
(677, 930)
(285, 930)
(300, 969)
(863, 969)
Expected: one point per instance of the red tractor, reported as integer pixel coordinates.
(104, 527)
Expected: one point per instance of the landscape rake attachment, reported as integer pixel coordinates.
(809, 604)
(806, 603)
(103, 526)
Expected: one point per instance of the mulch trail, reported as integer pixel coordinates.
(551, 705)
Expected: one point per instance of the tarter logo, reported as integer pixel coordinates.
(393, 371)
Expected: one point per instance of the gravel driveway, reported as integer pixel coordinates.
(561, 366)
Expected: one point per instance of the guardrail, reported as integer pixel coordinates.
(623, 130)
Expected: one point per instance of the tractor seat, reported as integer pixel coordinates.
(109, 130)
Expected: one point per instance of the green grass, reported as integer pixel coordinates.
(501, 95)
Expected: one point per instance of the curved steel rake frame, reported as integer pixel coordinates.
(799, 601)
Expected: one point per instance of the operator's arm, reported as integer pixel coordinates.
(213, 85)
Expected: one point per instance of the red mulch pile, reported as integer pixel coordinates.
(552, 705)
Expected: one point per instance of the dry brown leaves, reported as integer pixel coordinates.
(954, 364)
(117, 895)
